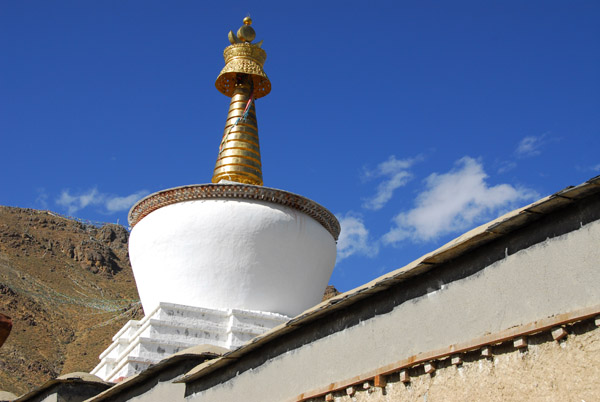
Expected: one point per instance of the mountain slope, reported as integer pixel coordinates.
(68, 288)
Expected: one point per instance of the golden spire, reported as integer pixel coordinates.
(243, 80)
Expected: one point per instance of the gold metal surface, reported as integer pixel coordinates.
(236, 155)
(236, 135)
(244, 57)
(242, 136)
(244, 80)
(236, 98)
(250, 119)
(246, 32)
(240, 152)
(239, 160)
(242, 174)
(239, 112)
(241, 169)
(250, 146)
(241, 129)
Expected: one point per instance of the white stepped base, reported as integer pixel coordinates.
(171, 328)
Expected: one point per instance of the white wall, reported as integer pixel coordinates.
(557, 276)
(162, 392)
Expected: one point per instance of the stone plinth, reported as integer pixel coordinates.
(171, 328)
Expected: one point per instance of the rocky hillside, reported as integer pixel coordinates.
(330, 291)
(68, 288)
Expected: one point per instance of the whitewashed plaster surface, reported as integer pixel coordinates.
(162, 392)
(557, 276)
(171, 328)
(223, 254)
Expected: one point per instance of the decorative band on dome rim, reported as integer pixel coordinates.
(234, 191)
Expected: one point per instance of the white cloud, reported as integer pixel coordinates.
(453, 202)
(42, 198)
(506, 166)
(111, 203)
(74, 203)
(396, 175)
(354, 238)
(116, 204)
(530, 146)
(596, 168)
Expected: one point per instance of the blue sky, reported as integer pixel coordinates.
(411, 121)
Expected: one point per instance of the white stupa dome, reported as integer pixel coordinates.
(232, 246)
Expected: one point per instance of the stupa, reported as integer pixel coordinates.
(221, 263)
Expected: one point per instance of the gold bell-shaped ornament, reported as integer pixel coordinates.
(244, 57)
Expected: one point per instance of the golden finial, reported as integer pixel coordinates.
(245, 34)
(243, 80)
(244, 57)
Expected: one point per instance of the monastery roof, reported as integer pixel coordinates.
(199, 351)
(7, 396)
(75, 377)
(461, 245)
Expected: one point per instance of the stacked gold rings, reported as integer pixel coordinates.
(239, 155)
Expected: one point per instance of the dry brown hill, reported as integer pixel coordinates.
(68, 287)
(330, 291)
